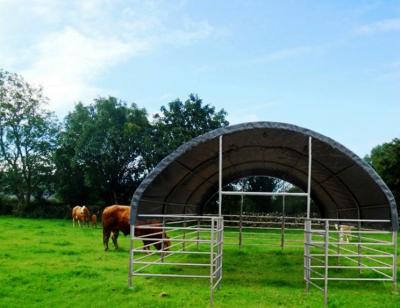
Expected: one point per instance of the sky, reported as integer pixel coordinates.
(330, 66)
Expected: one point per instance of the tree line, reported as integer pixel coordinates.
(97, 155)
(100, 152)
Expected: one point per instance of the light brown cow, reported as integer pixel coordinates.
(117, 218)
(80, 214)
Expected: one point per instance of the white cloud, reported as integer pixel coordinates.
(67, 47)
(386, 25)
(68, 62)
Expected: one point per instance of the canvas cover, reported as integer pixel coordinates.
(342, 186)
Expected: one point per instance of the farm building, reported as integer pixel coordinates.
(346, 190)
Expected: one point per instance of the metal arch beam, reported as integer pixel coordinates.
(206, 162)
(277, 130)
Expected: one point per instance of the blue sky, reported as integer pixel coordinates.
(333, 67)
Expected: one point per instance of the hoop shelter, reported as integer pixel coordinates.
(342, 184)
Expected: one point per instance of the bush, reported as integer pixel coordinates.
(7, 205)
(46, 209)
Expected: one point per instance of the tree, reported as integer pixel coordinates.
(27, 140)
(260, 204)
(100, 158)
(70, 170)
(385, 159)
(180, 122)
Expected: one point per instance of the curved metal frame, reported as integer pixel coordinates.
(260, 125)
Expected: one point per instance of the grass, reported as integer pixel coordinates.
(49, 263)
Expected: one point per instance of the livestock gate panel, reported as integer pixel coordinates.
(264, 230)
(187, 236)
(349, 250)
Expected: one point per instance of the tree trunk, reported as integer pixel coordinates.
(115, 197)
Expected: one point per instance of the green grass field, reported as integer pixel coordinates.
(49, 263)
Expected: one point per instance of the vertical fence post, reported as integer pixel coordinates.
(338, 242)
(359, 246)
(307, 242)
(221, 246)
(394, 273)
(212, 262)
(219, 232)
(198, 232)
(184, 228)
(359, 240)
(162, 238)
(326, 246)
(131, 256)
(283, 223)
(241, 223)
(220, 178)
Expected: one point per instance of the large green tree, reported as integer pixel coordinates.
(27, 140)
(385, 159)
(179, 122)
(70, 172)
(100, 157)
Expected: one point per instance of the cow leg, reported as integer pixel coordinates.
(114, 238)
(145, 247)
(106, 237)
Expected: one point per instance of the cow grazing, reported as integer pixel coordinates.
(344, 232)
(94, 220)
(116, 218)
(80, 214)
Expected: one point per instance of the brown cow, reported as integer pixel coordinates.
(116, 218)
(94, 220)
(80, 214)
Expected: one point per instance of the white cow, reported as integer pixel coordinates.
(344, 232)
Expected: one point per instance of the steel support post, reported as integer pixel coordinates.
(309, 176)
(394, 273)
(241, 223)
(326, 248)
(220, 178)
(307, 223)
(338, 240)
(283, 224)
